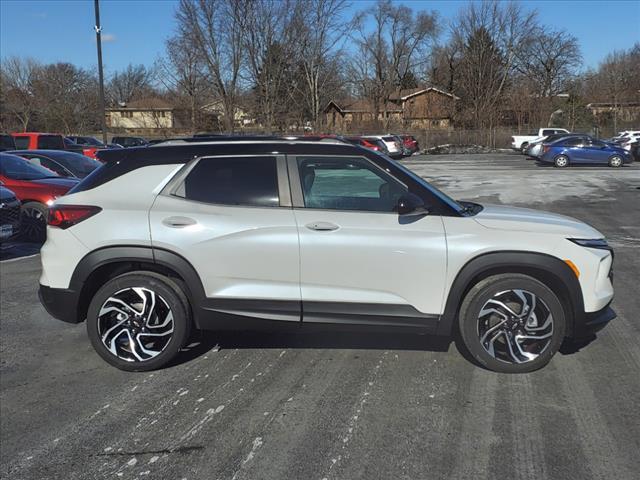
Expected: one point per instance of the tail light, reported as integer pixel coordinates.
(545, 148)
(65, 216)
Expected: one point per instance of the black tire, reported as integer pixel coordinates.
(561, 161)
(170, 296)
(524, 147)
(470, 322)
(33, 225)
(615, 161)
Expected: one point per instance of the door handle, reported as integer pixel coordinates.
(322, 226)
(178, 222)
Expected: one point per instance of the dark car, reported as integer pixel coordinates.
(6, 142)
(87, 141)
(9, 214)
(37, 188)
(91, 143)
(587, 151)
(64, 163)
(72, 146)
(127, 142)
(634, 148)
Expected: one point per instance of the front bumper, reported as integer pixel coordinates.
(60, 303)
(590, 323)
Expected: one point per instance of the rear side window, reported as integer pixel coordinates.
(243, 181)
(574, 142)
(50, 142)
(22, 143)
(548, 132)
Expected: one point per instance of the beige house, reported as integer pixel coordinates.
(625, 111)
(241, 117)
(145, 114)
(424, 108)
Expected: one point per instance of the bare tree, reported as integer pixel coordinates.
(17, 76)
(489, 37)
(66, 97)
(132, 83)
(181, 71)
(550, 59)
(268, 43)
(214, 29)
(618, 79)
(399, 42)
(319, 32)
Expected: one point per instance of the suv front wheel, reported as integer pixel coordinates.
(512, 323)
(139, 321)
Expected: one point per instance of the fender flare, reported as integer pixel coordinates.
(532, 263)
(125, 253)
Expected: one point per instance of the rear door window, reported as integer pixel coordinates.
(50, 142)
(240, 181)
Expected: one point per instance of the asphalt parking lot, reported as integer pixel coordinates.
(309, 406)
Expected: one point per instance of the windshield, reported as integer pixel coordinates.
(17, 168)
(92, 141)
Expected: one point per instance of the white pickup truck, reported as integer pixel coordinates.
(521, 142)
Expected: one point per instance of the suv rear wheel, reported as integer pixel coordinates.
(512, 323)
(139, 321)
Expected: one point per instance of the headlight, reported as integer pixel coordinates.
(600, 243)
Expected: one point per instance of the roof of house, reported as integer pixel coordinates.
(151, 103)
(407, 93)
(612, 105)
(362, 106)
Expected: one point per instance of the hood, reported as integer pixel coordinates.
(527, 220)
(59, 183)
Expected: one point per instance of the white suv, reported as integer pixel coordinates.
(287, 233)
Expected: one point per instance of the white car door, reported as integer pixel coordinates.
(231, 218)
(360, 261)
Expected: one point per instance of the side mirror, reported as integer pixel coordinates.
(411, 204)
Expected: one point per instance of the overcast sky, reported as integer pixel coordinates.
(134, 30)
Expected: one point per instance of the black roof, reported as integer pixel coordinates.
(183, 150)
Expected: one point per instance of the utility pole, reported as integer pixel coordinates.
(98, 29)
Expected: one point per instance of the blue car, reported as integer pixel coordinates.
(584, 151)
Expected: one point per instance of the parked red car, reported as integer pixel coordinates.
(50, 141)
(36, 187)
(369, 143)
(410, 143)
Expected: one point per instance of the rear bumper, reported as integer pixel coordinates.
(60, 303)
(591, 322)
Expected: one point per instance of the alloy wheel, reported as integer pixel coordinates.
(135, 324)
(515, 326)
(615, 161)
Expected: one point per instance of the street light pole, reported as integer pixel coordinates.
(98, 29)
